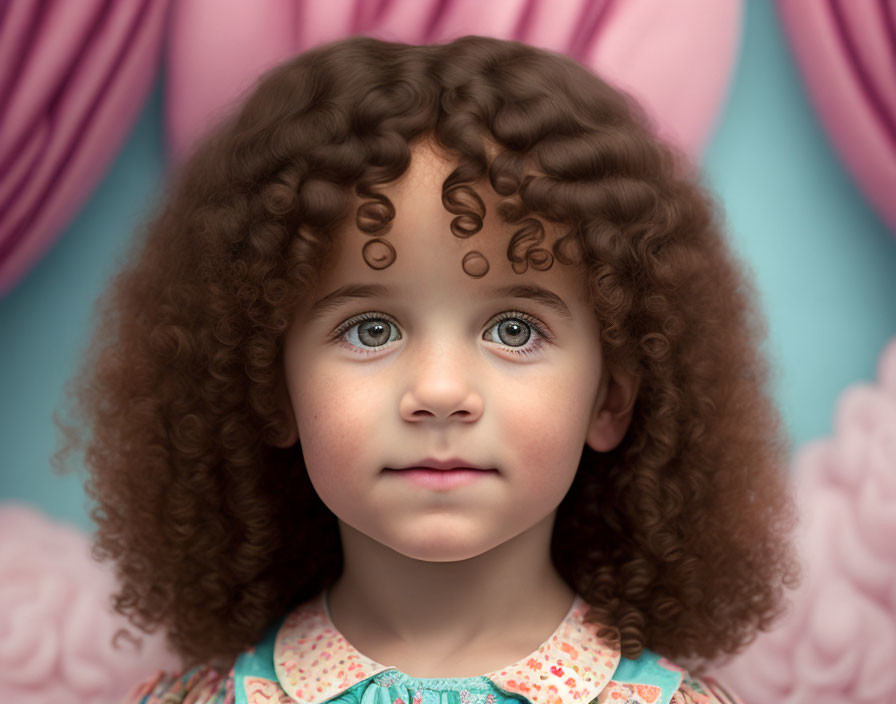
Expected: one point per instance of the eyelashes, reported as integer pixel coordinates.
(353, 334)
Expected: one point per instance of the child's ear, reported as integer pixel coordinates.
(289, 431)
(612, 410)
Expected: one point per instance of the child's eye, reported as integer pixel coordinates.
(370, 332)
(514, 329)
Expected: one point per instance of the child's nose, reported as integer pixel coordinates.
(441, 386)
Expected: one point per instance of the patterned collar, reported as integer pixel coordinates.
(314, 662)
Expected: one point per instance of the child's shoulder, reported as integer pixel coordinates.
(652, 679)
(198, 685)
(205, 685)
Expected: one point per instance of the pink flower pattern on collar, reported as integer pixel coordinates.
(314, 662)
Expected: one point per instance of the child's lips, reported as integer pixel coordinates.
(447, 463)
(441, 479)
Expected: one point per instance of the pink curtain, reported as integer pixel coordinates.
(675, 57)
(846, 51)
(73, 78)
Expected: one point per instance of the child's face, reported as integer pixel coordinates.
(431, 374)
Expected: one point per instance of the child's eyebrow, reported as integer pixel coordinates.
(344, 294)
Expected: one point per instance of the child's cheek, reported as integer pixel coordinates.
(334, 424)
(546, 434)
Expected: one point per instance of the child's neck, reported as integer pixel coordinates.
(449, 619)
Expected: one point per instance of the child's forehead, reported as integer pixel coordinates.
(421, 230)
(423, 259)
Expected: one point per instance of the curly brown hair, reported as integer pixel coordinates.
(679, 539)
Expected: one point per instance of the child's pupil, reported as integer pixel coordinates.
(515, 329)
(375, 330)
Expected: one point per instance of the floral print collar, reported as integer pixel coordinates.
(314, 662)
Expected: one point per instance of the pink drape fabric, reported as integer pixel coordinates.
(676, 58)
(846, 52)
(73, 78)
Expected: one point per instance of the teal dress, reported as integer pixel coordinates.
(390, 686)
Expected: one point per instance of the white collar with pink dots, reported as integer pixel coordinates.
(314, 662)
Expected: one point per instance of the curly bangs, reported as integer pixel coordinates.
(678, 538)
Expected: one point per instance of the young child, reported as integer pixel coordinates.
(435, 363)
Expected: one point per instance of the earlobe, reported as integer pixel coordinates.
(613, 410)
(289, 437)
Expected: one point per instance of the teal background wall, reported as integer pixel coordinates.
(825, 266)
